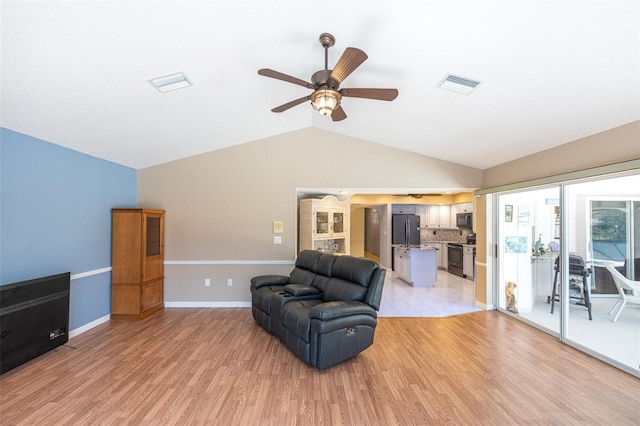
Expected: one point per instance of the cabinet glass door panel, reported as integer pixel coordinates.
(338, 222)
(322, 223)
(153, 236)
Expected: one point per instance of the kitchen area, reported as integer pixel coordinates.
(427, 237)
(413, 236)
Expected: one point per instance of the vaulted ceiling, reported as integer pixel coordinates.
(76, 73)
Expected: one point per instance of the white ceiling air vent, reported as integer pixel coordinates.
(170, 82)
(458, 84)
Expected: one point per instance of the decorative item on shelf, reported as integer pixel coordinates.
(539, 246)
(554, 246)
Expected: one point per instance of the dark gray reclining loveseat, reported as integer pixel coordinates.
(325, 310)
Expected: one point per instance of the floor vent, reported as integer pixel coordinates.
(458, 84)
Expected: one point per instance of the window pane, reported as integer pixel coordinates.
(609, 230)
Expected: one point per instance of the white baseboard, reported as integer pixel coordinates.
(207, 304)
(106, 318)
(89, 326)
(485, 307)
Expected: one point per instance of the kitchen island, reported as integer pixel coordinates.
(416, 265)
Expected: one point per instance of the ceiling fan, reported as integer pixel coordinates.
(325, 83)
(417, 196)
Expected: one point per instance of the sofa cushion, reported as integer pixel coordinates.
(325, 264)
(308, 259)
(263, 296)
(301, 276)
(301, 290)
(338, 289)
(356, 270)
(295, 317)
(333, 310)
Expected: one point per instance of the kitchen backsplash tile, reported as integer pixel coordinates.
(439, 235)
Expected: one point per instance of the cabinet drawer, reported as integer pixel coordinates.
(152, 294)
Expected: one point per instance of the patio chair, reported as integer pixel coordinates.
(624, 286)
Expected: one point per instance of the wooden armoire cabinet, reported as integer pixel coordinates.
(137, 263)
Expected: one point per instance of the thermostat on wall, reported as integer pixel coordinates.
(278, 227)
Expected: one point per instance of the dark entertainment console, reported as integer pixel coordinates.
(34, 318)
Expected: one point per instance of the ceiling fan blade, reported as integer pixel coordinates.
(378, 94)
(338, 114)
(291, 104)
(284, 77)
(351, 59)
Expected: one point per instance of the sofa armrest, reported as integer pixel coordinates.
(339, 309)
(262, 280)
(301, 290)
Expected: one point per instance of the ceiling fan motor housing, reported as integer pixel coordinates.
(321, 80)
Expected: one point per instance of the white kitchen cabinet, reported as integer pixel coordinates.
(421, 211)
(402, 263)
(416, 266)
(439, 216)
(324, 225)
(467, 262)
(403, 209)
(444, 212)
(465, 207)
(443, 256)
(433, 217)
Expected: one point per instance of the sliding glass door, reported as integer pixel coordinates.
(528, 247)
(605, 231)
(553, 248)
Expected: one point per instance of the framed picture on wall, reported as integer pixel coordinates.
(516, 245)
(508, 213)
(523, 214)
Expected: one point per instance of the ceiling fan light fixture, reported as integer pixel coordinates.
(325, 101)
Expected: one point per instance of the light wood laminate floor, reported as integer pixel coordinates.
(216, 366)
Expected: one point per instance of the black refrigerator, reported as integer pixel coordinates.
(405, 230)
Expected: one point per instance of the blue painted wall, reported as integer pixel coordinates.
(55, 216)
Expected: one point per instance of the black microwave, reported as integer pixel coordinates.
(464, 220)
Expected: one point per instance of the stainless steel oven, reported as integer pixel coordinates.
(454, 251)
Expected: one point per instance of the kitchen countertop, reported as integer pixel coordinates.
(416, 247)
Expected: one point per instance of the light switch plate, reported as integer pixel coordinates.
(277, 240)
(278, 227)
